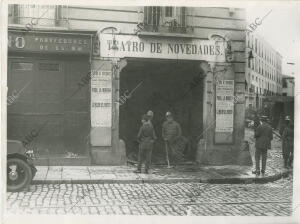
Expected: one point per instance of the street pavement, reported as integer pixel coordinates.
(178, 199)
(160, 174)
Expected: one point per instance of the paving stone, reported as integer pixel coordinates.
(157, 199)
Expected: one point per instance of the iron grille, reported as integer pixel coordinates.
(38, 15)
(165, 19)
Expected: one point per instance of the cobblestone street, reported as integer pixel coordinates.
(272, 199)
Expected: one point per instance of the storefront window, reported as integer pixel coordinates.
(49, 66)
(22, 66)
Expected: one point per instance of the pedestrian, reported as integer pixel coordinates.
(288, 143)
(146, 138)
(282, 124)
(150, 114)
(263, 136)
(256, 121)
(171, 131)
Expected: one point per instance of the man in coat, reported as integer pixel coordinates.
(263, 136)
(171, 131)
(146, 137)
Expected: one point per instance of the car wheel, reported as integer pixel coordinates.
(19, 174)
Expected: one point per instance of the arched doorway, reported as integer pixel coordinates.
(161, 86)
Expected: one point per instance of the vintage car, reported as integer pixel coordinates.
(20, 168)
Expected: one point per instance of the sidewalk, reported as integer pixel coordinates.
(161, 174)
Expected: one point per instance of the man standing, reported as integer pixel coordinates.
(171, 131)
(150, 115)
(288, 143)
(146, 137)
(263, 136)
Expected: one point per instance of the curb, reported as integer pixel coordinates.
(237, 180)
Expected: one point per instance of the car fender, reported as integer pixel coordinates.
(15, 147)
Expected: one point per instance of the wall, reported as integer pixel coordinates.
(206, 21)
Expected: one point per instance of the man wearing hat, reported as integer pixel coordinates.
(263, 137)
(288, 142)
(171, 131)
(150, 114)
(146, 138)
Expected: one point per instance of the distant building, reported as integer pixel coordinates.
(263, 71)
(288, 85)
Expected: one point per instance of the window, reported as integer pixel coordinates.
(168, 11)
(49, 66)
(45, 15)
(22, 66)
(156, 17)
(255, 45)
(284, 83)
(152, 15)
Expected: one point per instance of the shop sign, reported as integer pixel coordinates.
(101, 98)
(121, 46)
(49, 42)
(224, 105)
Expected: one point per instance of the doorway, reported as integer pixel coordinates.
(60, 123)
(161, 86)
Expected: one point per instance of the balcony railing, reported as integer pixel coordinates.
(38, 15)
(167, 19)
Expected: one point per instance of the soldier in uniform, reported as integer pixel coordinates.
(288, 143)
(150, 115)
(146, 138)
(171, 131)
(263, 137)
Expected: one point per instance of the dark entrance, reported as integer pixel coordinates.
(161, 86)
(44, 114)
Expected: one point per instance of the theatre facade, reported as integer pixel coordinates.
(86, 89)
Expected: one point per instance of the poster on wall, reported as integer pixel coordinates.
(101, 99)
(225, 109)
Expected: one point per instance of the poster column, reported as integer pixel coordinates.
(224, 112)
(101, 103)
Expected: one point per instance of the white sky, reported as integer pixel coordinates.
(281, 28)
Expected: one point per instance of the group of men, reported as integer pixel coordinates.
(263, 135)
(171, 131)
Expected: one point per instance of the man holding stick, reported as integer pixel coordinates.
(171, 131)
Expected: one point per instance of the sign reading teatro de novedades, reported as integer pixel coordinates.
(186, 49)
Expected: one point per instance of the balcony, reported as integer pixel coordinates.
(38, 16)
(167, 20)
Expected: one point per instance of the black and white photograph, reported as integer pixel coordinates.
(150, 109)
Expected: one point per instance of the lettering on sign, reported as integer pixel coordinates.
(224, 105)
(48, 43)
(132, 46)
(101, 98)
